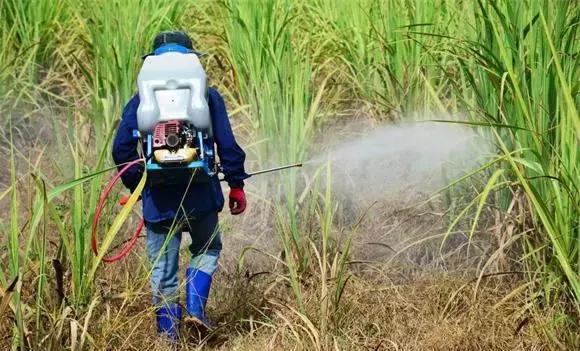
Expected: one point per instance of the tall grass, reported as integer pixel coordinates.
(109, 59)
(522, 67)
(119, 33)
(14, 253)
(273, 76)
(34, 209)
(390, 50)
(328, 251)
(276, 80)
(35, 25)
(7, 57)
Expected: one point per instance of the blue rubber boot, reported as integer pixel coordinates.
(168, 318)
(197, 288)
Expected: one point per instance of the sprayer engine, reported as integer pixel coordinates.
(176, 151)
(173, 143)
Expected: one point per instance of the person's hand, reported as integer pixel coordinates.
(125, 198)
(237, 201)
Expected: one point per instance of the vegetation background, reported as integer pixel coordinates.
(489, 262)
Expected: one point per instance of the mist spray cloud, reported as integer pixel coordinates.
(403, 161)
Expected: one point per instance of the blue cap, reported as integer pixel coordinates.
(171, 47)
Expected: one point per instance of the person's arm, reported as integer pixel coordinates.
(125, 145)
(231, 155)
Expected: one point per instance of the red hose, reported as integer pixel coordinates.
(131, 243)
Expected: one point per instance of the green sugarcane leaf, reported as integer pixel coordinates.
(118, 222)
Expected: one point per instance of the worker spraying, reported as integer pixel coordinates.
(176, 122)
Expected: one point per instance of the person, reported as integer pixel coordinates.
(169, 210)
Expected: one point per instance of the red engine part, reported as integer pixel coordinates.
(166, 134)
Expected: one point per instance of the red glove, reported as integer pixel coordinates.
(237, 201)
(125, 198)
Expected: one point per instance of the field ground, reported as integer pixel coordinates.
(431, 311)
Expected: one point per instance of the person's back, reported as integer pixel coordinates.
(169, 209)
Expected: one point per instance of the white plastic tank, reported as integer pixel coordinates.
(172, 86)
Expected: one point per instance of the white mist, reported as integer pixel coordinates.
(403, 161)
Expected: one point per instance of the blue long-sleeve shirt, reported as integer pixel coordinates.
(161, 202)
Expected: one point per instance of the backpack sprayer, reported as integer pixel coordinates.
(174, 125)
(174, 120)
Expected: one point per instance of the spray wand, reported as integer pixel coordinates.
(268, 170)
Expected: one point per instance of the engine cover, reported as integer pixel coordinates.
(173, 143)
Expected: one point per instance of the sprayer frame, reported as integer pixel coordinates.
(177, 173)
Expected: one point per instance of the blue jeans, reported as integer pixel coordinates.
(163, 241)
